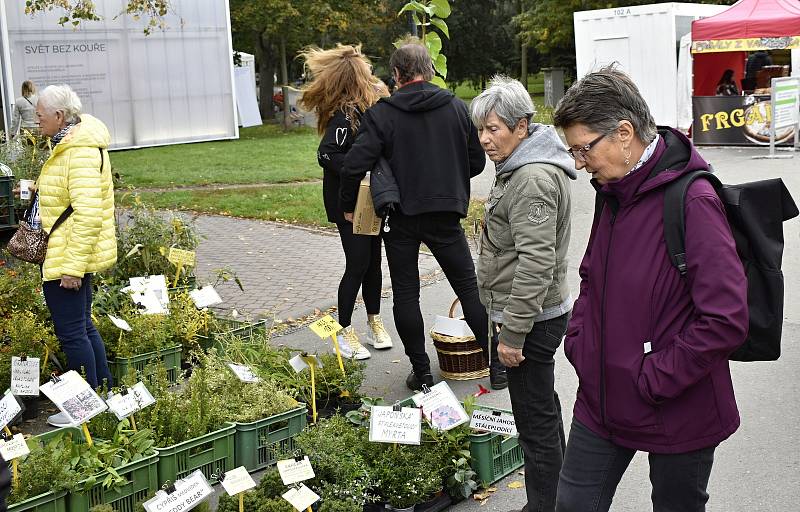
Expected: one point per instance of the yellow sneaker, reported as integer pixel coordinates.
(349, 344)
(377, 336)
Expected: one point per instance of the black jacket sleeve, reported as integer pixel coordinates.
(335, 143)
(477, 157)
(361, 158)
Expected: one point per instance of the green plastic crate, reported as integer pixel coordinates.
(493, 455)
(207, 453)
(142, 481)
(45, 437)
(169, 357)
(48, 502)
(258, 444)
(7, 216)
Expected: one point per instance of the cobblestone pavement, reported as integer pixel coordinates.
(286, 271)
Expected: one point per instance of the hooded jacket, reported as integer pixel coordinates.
(427, 137)
(522, 265)
(651, 347)
(86, 241)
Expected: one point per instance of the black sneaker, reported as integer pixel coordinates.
(415, 382)
(498, 377)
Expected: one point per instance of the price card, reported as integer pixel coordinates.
(137, 398)
(148, 302)
(205, 297)
(244, 372)
(494, 421)
(294, 470)
(301, 498)
(237, 480)
(325, 327)
(181, 257)
(389, 424)
(120, 323)
(25, 376)
(9, 409)
(74, 397)
(441, 407)
(188, 493)
(14, 447)
(297, 363)
(156, 284)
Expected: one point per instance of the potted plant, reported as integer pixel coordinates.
(265, 497)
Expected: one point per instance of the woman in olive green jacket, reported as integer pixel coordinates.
(78, 176)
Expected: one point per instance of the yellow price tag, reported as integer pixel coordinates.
(325, 327)
(181, 257)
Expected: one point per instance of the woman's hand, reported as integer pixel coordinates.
(348, 216)
(71, 283)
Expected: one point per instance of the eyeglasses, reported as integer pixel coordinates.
(580, 153)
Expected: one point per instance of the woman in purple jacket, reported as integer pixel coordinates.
(650, 347)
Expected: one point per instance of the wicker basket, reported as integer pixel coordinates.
(460, 358)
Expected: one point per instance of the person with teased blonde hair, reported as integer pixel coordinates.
(341, 88)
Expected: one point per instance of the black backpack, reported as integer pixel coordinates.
(755, 214)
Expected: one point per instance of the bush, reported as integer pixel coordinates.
(265, 497)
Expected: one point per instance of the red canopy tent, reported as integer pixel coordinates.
(749, 25)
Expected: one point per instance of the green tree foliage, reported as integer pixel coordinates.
(427, 15)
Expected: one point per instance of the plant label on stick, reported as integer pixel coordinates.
(295, 470)
(441, 407)
(498, 422)
(402, 425)
(325, 327)
(14, 447)
(9, 409)
(244, 373)
(298, 363)
(237, 480)
(181, 257)
(189, 492)
(25, 376)
(205, 297)
(74, 397)
(134, 400)
(119, 323)
(156, 284)
(301, 497)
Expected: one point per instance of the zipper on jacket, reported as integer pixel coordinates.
(603, 329)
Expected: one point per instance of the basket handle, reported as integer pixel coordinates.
(453, 308)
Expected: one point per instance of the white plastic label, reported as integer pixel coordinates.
(205, 297)
(244, 373)
(9, 409)
(301, 498)
(137, 398)
(120, 323)
(25, 376)
(14, 447)
(189, 493)
(494, 421)
(293, 471)
(237, 480)
(74, 397)
(441, 407)
(389, 426)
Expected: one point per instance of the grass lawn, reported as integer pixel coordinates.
(263, 154)
(466, 92)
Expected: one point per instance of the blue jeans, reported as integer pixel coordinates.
(71, 311)
(537, 412)
(593, 467)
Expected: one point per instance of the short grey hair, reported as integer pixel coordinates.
(507, 98)
(61, 98)
(600, 100)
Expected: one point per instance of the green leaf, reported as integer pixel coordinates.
(416, 7)
(441, 25)
(440, 64)
(434, 43)
(438, 81)
(441, 8)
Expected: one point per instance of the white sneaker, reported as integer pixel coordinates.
(59, 420)
(377, 335)
(349, 344)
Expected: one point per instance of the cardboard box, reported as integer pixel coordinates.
(365, 220)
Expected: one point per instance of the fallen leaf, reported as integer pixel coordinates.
(491, 489)
(516, 485)
(396, 360)
(521, 472)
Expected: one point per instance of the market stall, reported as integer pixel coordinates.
(721, 43)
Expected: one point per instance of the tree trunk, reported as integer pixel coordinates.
(284, 70)
(265, 53)
(523, 75)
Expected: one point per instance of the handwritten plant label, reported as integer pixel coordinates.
(293, 470)
(244, 373)
(119, 323)
(189, 492)
(494, 421)
(14, 447)
(181, 257)
(441, 407)
(144, 286)
(74, 397)
(137, 398)
(9, 409)
(25, 376)
(237, 480)
(325, 327)
(387, 425)
(205, 297)
(301, 498)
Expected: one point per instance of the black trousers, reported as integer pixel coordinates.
(594, 466)
(537, 412)
(362, 254)
(442, 233)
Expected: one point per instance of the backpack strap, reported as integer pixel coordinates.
(675, 215)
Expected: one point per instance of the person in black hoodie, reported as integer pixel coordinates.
(426, 135)
(341, 88)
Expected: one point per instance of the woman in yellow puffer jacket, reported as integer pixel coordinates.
(77, 175)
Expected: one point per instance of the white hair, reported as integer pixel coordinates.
(507, 98)
(55, 98)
